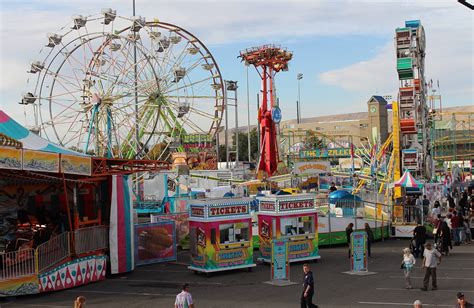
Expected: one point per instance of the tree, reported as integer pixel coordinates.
(243, 147)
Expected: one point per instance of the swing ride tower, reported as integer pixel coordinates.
(267, 60)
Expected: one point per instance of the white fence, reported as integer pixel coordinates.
(17, 264)
(53, 251)
(91, 239)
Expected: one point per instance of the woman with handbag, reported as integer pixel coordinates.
(407, 264)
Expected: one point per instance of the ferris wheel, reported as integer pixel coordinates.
(122, 87)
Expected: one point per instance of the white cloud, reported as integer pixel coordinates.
(449, 59)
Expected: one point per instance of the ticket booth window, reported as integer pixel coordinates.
(289, 226)
(232, 233)
(305, 224)
(297, 225)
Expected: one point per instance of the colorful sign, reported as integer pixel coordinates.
(358, 251)
(267, 206)
(73, 164)
(219, 211)
(315, 167)
(180, 221)
(276, 114)
(197, 141)
(280, 264)
(155, 242)
(285, 206)
(197, 211)
(10, 158)
(330, 153)
(40, 161)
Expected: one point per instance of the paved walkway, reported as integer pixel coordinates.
(157, 285)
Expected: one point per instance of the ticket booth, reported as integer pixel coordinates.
(220, 233)
(292, 217)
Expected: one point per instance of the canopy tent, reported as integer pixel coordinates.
(408, 181)
(30, 141)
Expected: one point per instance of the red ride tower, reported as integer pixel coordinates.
(268, 60)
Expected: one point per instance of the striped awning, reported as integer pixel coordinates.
(408, 181)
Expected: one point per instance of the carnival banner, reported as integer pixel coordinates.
(155, 242)
(40, 161)
(10, 158)
(312, 167)
(73, 164)
(121, 231)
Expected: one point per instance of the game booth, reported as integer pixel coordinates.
(293, 217)
(220, 233)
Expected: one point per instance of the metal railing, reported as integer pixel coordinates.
(90, 239)
(17, 264)
(53, 251)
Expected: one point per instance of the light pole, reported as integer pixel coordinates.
(298, 103)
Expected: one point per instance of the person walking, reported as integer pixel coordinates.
(417, 304)
(407, 263)
(426, 206)
(436, 210)
(419, 235)
(461, 302)
(431, 260)
(80, 302)
(306, 300)
(445, 236)
(370, 238)
(184, 299)
(349, 231)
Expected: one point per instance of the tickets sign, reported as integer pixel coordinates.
(228, 210)
(285, 206)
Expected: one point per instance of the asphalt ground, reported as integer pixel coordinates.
(157, 285)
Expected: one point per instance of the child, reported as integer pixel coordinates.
(408, 263)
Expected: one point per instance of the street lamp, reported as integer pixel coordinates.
(298, 103)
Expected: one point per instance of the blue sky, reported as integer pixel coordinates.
(344, 48)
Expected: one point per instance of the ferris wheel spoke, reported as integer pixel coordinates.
(191, 108)
(189, 85)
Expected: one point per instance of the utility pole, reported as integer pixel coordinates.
(298, 102)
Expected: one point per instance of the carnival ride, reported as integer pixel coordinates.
(125, 88)
(415, 141)
(271, 59)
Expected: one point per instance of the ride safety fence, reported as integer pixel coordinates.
(30, 261)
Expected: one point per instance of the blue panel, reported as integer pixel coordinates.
(412, 23)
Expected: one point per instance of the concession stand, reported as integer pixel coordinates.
(290, 217)
(220, 233)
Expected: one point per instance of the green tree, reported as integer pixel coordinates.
(243, 147)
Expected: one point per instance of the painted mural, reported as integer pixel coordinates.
(40, 161)
(155, 242)
(10, 158)
(73, 164)
(21, 286)
(74, 273)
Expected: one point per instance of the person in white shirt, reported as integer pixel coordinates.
(436, 210)
(431, 260)
(408, 262)
(184, 299)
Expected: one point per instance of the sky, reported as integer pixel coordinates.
(344, 49)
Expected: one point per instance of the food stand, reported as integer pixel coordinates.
(220, 232)
(293, 217)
